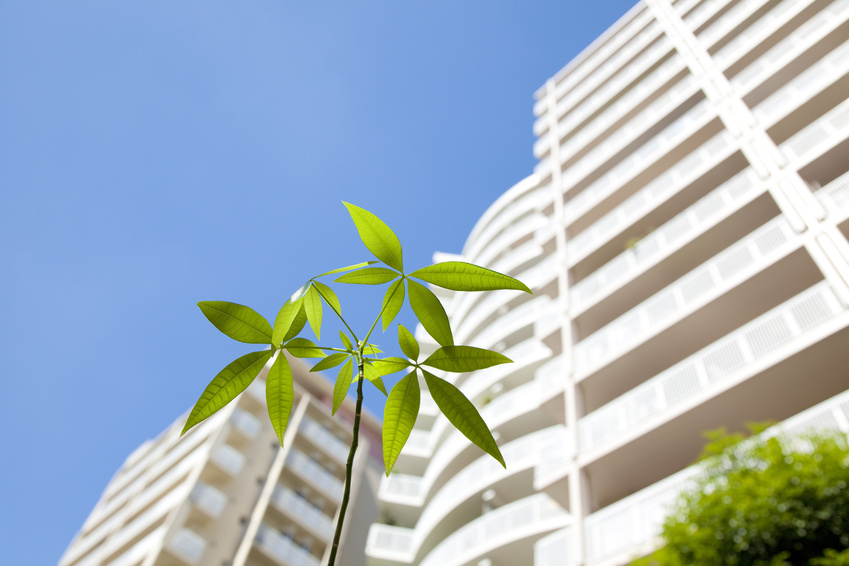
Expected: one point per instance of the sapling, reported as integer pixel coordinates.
(360, 360)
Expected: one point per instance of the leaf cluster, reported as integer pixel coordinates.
(356, 358)
(764, 502)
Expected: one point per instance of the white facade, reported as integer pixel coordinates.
(227, 494)
(685, 235)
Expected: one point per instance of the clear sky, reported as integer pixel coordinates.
(155, 154)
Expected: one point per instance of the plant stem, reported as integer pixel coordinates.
(350, 465)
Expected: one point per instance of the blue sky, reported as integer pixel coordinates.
(155, 154)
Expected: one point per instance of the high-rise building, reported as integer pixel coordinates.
(685, 235)
(226, 493)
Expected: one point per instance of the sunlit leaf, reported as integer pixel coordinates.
(303, 348)
(408, 343)
(330, 361)
(461, 276)
(343, 383)
(224, 387)
(285, 320)
(329, 296)
(388, 366)
(462, 414)
(430, 313)
(368, 276)
(461, 359)
(346, 341)
(301, 292)
(297, 324)
(392, 302)
(237, 321)
(399, 417)
(371, 350)
(377, 236)
(279, 393)
(312, 307)
(348, 268)
(373, 376)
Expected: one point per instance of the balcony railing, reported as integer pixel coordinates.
(728, 21)
(739, 261)
(835, 196)
(282, 549)
(187, 545)
(526, 517)
(208, 499)
(818, 137)
(322, 438)
(556, 549)
(315, 474)
(638, 518)
(555, 457)
(228, 459)
(683, 228)
(247, 424)
(303, 511)
(701, 372)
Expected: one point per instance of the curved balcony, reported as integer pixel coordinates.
(282, 549)
(302, 512)
(835, 198)
(523, 316)
(695, 17)
(187, 545)
(673, 235)
(816, 139)
(612, 181)
(788, 49)
(556, 549)
(314, 474)
(635, 522)
(323, 439)
(728, 21)
(505, 242)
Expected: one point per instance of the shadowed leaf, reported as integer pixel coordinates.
(399, 417)
(461, 276)
(368, 276)
(237, 321)
(224, 387)
(430, 313)
(462, 414)
(392, 302)
(343, 383)
(312, 308)
(408, 343)
(377, 236)
(461, 359)
(279, 393)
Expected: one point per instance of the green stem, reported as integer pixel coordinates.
(350, 465)
(339, 314)
(380, 314)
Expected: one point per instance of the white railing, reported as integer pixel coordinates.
(728, 21)
(514, 521)
(281, 548)
(672, 235)
(208, 499)
(649, 197)
(829, 130)
(389, 542)
(835, 196)
(556, 549)
(324, 439)
(503, 243)
(704, 11)
(649, 152)
(700, 373)
(714, 277)
(188, 545)
(228, 459)
(638, 518)
(245, 423)
(315, 474)
(512, 213)
(301, 509)
(555, 457)
(804, 86)
(808, 34)
(520, 317)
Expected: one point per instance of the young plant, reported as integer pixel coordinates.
(359, 359)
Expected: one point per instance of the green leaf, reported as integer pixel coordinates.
(371, 350)
(461, 359)
(368, 276)
(297, 324)
(399, 417)
(462, 414)
(392, 302)
(348, 268)
(279, 394)
(301, 292)
(303, 348)
(408, 343)
(224, 387)
(373, 376)
(237, 321)
(346, 341)
(285, 319)
(461, 276)
(329, 296)
(388, 366)
(330, 361)
(312, 307)
(430, 313)
(343, 383)
(377, 236)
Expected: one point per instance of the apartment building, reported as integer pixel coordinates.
(685, 235)
(226, 493)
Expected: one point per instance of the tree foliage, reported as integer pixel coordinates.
(778, 501)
